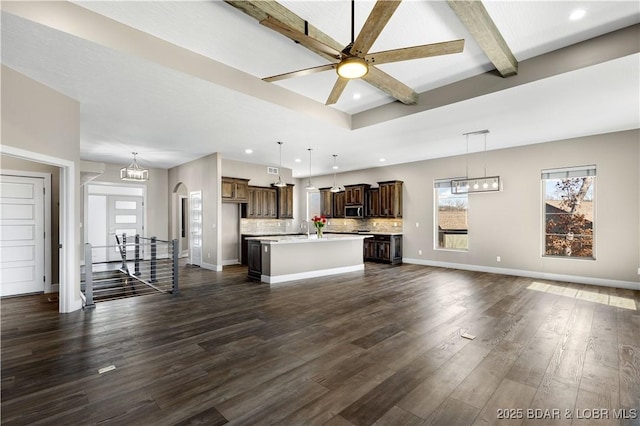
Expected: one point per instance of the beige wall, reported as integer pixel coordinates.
(203, 175)
(41, 121)
(509, 223)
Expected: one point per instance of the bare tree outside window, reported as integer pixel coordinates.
(451, 217)
(568, 204)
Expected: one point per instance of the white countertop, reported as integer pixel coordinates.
(298, 239)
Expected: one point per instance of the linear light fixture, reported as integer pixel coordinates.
(480, 184)
(483, 184)
(133, 172)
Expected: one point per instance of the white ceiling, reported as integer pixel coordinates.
(131, 103)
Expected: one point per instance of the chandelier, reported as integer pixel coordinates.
(133, 172)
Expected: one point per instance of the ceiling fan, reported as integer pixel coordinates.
(354, 60)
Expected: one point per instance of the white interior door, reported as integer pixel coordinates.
(195, 226)
(21, 235)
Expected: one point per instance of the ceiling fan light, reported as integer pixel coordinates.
(353, 67)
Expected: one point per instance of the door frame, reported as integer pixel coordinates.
(183, 251)
(69, 298)
(85, 234)
(48, 285)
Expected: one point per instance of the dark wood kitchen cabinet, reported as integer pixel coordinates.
(326, 202)
(372, 206)
(254, 259)
(234, 190)
(390, 199)
(285, 201)
(354, 194)
(262, 203)
(338, 204)
(383, 248)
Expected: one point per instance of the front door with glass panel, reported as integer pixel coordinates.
(113, 209)
(125, 217)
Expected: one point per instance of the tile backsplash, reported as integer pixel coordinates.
(282, 226)
(370, 225)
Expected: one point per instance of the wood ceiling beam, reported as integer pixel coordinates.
(475, 17)
(261, 10)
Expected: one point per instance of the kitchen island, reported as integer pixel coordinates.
(277, 259)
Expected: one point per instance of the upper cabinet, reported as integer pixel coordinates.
(354, 194)
(234, 190)
(285, 201)
(338, 204)
(390, 198)
(372, 207)
(262, 203)
(326, 202)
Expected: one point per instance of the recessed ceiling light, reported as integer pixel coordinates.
(335, 167)
(382, 160)
(298, 160)
(356, 96)
(248, 151)
(577, 14)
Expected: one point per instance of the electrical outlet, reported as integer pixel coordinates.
(417, 224)
(395, 224)
(498, 259)
(419, 252)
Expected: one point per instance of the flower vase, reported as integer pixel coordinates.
(319, 232)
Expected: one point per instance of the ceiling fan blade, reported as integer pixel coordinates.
(415, 52)
(337, 90)
(372, 28)
(383, 81)
(299, 37)
(299, 73)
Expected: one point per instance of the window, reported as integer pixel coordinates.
(568, 211)
(450, 217)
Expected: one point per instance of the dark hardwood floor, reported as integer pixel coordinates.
(383, 347)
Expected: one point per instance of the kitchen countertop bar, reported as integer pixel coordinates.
(294, 257)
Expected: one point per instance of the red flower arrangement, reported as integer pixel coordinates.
(319, 222)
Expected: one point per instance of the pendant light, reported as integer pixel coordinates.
(280, 183)
(309, 186)
(133, 172)
(335, 187)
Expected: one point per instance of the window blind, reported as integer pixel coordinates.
(569, 172)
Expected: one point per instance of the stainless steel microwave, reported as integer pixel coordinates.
(354, 211)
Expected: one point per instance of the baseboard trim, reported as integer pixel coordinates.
(211, 267)
(276, 279)
(230, 262)
(629, 285)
